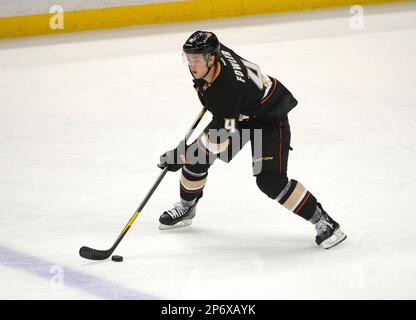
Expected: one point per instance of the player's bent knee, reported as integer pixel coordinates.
(272, 184)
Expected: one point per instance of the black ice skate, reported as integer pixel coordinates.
(179, 216)
(328, 231)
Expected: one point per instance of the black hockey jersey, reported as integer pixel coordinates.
(240, 90)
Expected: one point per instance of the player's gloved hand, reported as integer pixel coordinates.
(174, 159)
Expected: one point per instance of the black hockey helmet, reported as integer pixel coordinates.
(204, 42)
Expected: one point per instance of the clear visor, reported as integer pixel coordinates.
(191, 59)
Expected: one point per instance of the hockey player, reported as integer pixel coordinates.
(240, 98)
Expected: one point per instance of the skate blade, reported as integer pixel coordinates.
(178, 225)
(333, 240)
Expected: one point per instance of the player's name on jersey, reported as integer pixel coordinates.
(235, 65)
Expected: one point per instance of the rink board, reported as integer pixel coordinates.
(156, 12)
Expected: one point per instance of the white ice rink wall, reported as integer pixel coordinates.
(36, 17)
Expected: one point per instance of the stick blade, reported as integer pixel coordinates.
(93, 254)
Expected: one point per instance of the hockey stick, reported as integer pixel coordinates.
(93, 254)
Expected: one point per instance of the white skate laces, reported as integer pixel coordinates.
(322, 225)
(178, 210)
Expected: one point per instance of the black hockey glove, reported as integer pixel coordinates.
(174, 159)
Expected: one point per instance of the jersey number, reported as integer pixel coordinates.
(254, 73)
(229, 125)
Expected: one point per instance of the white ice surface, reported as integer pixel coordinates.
(84, 118)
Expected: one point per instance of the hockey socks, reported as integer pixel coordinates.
(296, 198)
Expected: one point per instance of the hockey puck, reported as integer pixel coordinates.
(117, 258)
